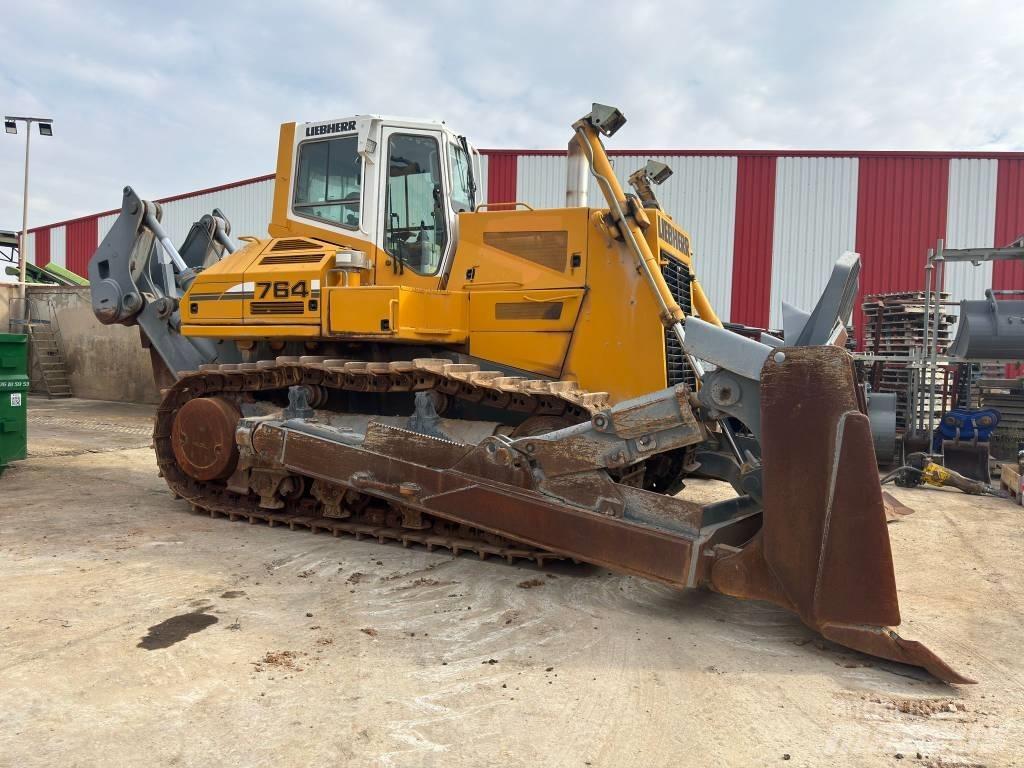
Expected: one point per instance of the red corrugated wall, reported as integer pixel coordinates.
(501, 177)
(81, 241)
(1009, 275)
(901, 213)
(752, 249)
(43, 247)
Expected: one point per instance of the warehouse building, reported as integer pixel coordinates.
(766, 226)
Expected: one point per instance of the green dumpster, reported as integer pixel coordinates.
(13, 397)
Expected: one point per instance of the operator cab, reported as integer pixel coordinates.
(398, 184)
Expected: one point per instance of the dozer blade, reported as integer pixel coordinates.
(807, 531)
(823, 548)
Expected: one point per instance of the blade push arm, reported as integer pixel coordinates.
(137, 276)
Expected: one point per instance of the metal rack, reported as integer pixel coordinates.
(917, 336)
(927, 366)
(894, 338)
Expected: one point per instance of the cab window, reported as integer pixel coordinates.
(462, 192)
(327, 183)
(414, 223)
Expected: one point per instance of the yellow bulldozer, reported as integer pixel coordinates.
(402, 362)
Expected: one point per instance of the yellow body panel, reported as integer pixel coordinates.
(665, 235)
(216, 295)
(233, 267)
(266, 283)
(254, 332)
(507, 250)
(540, 353)
(535, 311)
(547, 292)
(213, 302)
(619, 345)
(397, 313)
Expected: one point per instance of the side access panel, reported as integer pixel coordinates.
(398, 313)
(529, 330)
(528, 250)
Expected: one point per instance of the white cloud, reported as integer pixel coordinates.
(180, 96)
(128, 83)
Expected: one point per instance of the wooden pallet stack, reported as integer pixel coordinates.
(894, 323)
(894, 327)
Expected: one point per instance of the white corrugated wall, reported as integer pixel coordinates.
(58, 246)
(970, 223)
(540, 180)
(815, 221)
(701, 196)
(104, 223)
(247, 207)
(31, 255)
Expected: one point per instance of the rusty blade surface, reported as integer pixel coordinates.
(823, 549)
(894, 508)
(887, 644)
(473, 500)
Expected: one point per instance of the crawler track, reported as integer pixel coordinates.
(365, 517)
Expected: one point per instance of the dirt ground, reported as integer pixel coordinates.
(135, 633)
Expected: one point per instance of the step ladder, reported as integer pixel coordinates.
(48, 359)
(37, 318)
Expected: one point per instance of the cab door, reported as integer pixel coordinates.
(415, 219)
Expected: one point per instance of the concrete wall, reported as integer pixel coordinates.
(7, 292)
(105, 362)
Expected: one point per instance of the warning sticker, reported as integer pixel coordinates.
(15, 399)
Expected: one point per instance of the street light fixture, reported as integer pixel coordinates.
(45, 129)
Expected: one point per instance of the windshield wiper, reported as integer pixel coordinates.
(469, 170)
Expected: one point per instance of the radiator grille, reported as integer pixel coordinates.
(677, 276)
(277, 307)
(292, 258)
(294, 244)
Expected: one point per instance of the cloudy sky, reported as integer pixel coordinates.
(172, 97)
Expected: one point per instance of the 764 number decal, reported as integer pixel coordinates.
(282, 289)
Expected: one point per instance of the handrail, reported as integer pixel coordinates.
(482, 206)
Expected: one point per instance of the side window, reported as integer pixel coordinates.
(414, 222)
(462, 194)
(327, 184)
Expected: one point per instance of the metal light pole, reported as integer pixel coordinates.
(45, 129)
